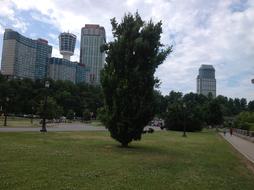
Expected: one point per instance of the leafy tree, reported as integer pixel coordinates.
(244, 120)
(243, 103)
(53, 111)
(160, 104)
(128, 77)
(86, 115)
(187, 110)
(214, 115)
(251, 106)
(70, 115)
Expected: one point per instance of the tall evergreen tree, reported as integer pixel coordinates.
(128, 77)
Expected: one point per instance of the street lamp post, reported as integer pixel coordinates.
(32, 116)
(5, 111)
(184, 124)
(43, 128)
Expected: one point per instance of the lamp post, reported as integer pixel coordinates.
(184, 124)
(32, 116)
(5, 111)
(43, 128)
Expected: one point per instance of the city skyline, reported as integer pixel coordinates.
(196, 30)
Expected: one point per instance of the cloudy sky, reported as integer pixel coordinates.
(217, 32)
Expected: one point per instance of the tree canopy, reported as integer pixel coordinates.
(128, 77)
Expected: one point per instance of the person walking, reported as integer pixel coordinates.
(225, 131)
(231, 131)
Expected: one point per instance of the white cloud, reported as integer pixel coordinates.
(8, 13)
(55, 52)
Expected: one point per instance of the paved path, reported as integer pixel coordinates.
(58, 127)
(61, 127)
(243, 146)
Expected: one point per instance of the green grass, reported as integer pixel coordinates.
(19, 122)
(92, 160)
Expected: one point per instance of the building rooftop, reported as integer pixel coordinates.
(206, 67)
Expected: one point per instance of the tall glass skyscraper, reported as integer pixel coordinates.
(23, 57)
(92, 38)
(206, 82)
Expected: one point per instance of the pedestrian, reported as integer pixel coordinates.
(231, 131)
(225, 131)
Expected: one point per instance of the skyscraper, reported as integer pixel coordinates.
(23, 57)
(67, 42)
(206, 82)
(92, 38)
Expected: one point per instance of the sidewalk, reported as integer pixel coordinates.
(60, 127)
(243, 146)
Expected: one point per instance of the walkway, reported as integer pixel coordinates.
(58, 127)
(243, 146)
(62, 127)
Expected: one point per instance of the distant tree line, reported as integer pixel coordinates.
(24, 96)
(196, 110)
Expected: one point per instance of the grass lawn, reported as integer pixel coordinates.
(92, 160)
(19, 122)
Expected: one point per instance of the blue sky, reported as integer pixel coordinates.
(217, 32)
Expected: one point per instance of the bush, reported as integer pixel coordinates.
(70, 115)
(243, 120)
(86, 115)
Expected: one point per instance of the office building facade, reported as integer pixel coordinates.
(23, 57)
(92, 38)
(61, 69)
(206, 82)
(81, 71)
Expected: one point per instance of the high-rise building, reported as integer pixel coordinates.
(92, 38)
(206, 82)
(67, 42)
(62, 69)
(23, 57)
(81, 71)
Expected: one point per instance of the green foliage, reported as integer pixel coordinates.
(244, 120)
(86, 115)
(53, 111)
(251, 106)
(101, 115)
(27, 96)
(185, 110)
(214, 115)
(70, 115)
(128, 77)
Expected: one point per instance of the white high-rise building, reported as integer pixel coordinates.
(92, 38)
